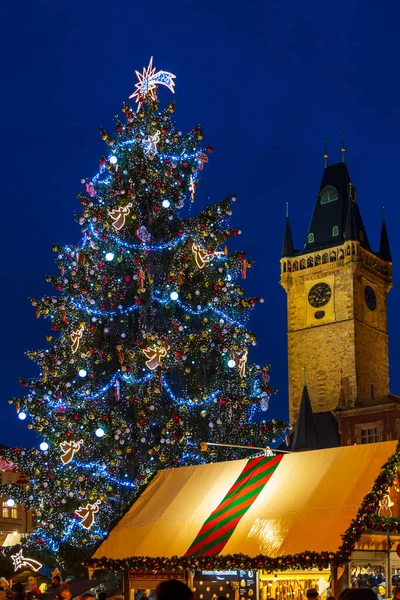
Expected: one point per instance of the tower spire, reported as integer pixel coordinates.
(305, 435)
(326, 153)
(287, 246)
(384, 247)
(343, 149)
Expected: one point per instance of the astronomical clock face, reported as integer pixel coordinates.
(319, 295)
(370, 297)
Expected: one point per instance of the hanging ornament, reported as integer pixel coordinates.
(119, 215)
(202, 160)
(242, 362)
(63, 314)
(148, 82)
(385, 506)
(120, 353)
(264, 403)
(192, 188)
(90, 189)
(69, 449)
(202, 257)
(116, 390)
(76, 337)
(87, 513)
(141, 277)
(155, 355)
(102, 164)
(243, 264)
(143, 234)
(150, 143)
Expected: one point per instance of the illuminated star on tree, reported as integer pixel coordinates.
(148, 82)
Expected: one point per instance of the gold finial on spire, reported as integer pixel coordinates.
(305, 375)
(287, 209)
(342, 149)
(383, 212)
(326, 152)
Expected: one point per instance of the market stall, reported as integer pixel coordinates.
(266, 527)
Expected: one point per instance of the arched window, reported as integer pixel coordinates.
(317, 260)
(341, 254)
(329, 194)
(303, 263)
(295, 266)
(335, 230)
(310, 262)
(284, 267)
(325, 258)
(310, 238)
(332, 256)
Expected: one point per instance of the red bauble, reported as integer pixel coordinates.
(54, 327)
(100, 266)
(185, 165)
(119, 128)
(141, 421)
(170, 279)
(139, 301)
(178, 354)
(210, 149)
(137, 261)
(127, 278)
(58, 286)
(105, 279)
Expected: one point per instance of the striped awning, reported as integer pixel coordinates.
(273, 506)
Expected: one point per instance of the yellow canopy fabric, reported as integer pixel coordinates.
(307, 504)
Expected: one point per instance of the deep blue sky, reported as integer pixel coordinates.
(268, 81)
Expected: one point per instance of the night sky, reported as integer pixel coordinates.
(267, 80)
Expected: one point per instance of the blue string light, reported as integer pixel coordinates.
(183, 402)
(109, 313)
(118, 375)
(147, 247)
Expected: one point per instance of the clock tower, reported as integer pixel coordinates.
(336, 290)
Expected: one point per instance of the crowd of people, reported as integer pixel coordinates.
(170, 589)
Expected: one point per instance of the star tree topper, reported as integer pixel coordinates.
(148, 82)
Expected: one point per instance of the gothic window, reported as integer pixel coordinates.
(317, 260)
(303, 263)
(329, 194)
(289, 266)
(310, 262)
(310, 238)
(353, 249)
(332, 257)
(295, 266)
(341, 254)
(284, 267)
(335, 230)
(325, 258)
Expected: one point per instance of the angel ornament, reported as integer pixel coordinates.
(242, 362)
(155, 355)
(76, 337)
(150, 143)
(385, 506)
(69, 449)
(87, 513)
(201, 256)
(119, 215)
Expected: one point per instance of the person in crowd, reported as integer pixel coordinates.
(358, 594)
(65, 592)
(88, 596)
(55, 582)
(312, 594)
(172, 589)
(382, 591)
(6, 587)
(17, 591)
(101, 596)
(331, 598)
(2, 593)
(34, 588)
(396, 593)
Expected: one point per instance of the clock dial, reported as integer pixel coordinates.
(370, 297)
(319, 295)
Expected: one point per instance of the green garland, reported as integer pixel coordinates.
(365, 519)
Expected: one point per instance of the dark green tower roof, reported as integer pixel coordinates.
(287, 246)
(336, 217)
(384, 248)
(305, 435)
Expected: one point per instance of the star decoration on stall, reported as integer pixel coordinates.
(148, 82)
(20, 561)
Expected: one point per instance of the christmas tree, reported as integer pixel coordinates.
(148, 352)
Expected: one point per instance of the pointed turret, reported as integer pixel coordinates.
(305, 436)
(336, 217)
(384, 248)
(287, 246)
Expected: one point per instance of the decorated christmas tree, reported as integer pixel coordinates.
(148, 353)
